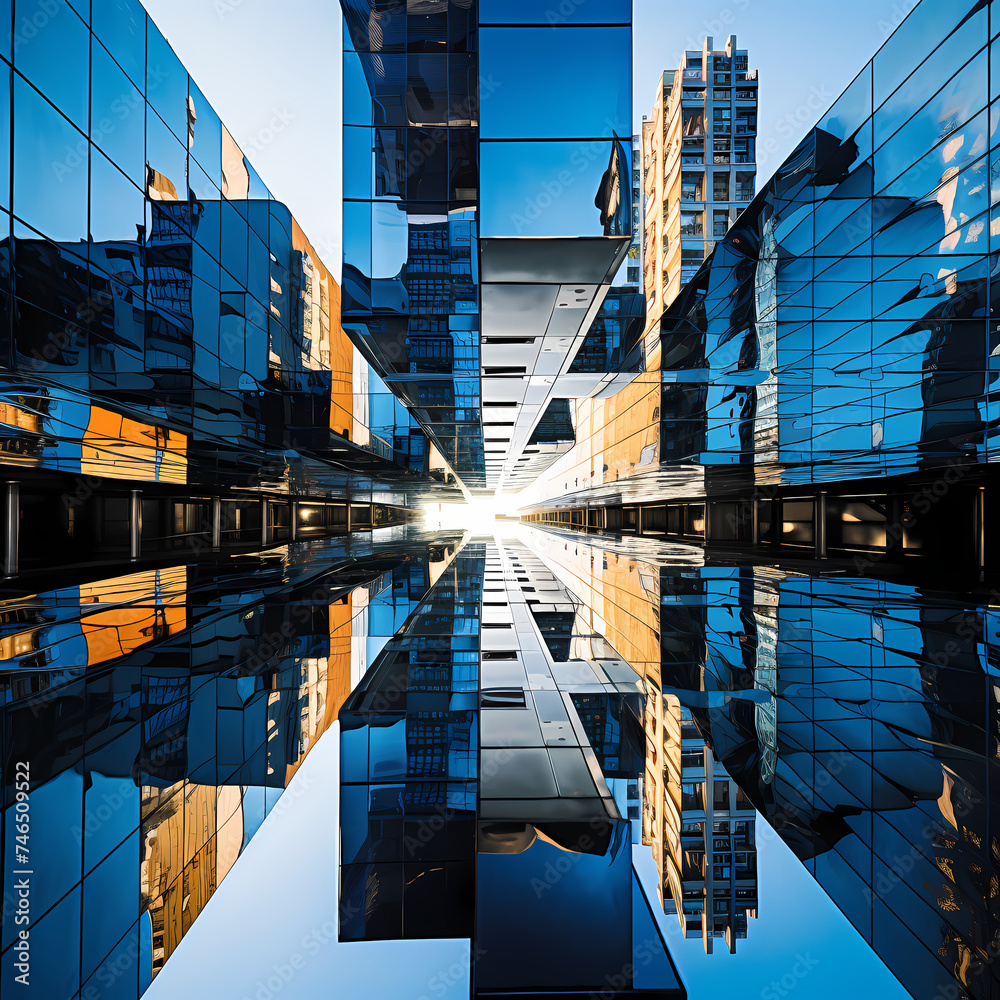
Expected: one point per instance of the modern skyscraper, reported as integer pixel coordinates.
(700, 163)
(482, 236)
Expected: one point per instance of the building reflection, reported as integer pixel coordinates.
(163, 714)
(490, 767)
(855, 717)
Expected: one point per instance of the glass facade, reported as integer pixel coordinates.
(454, 191)
(166, 320)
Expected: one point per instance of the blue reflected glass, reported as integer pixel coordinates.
(205, 316)
(119, 972)
(258, 269)
(915, 39)
(852, 109)
(50, 170)
(934, 73)
(121, 26)
(206, 135)
(117, 115)
(390, 240)
(357, 98)
(6, 14)
(555, 14)
(117, 207)
(110, 908)
(925, 173)
(235, 234)
(543, 188)
(5, 140)
(166, 83)
(954, 105)
(55, 57)
(358, 162)
(57, 933)
(526, 62)
(167, 157)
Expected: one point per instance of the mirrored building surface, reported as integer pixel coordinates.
(484, 234)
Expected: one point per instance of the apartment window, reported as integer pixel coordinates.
(721, 95)
(694, 124)
(691, 224)
(690, 187)
(720, 223)
(721, 114)
(721, 795)
(722, 78)
(633, 275)
(720, 187)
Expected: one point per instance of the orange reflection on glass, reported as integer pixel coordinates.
(118, 447)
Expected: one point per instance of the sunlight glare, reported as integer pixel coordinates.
(478, 515)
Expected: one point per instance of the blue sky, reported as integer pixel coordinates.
(800, 945)
(275, 78)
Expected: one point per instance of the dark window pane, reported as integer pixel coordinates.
(4, 141)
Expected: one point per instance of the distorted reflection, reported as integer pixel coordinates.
(163, 714)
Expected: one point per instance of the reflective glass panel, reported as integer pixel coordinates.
(553, 14)
(55, 57)
(5, 140)
(50, 169)
(121, 26)
(588, 70)
(116, 204)
(117, 115)
(166, 83)
(206, 135)
(543, 188)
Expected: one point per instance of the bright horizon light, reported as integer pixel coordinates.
(478, 515)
